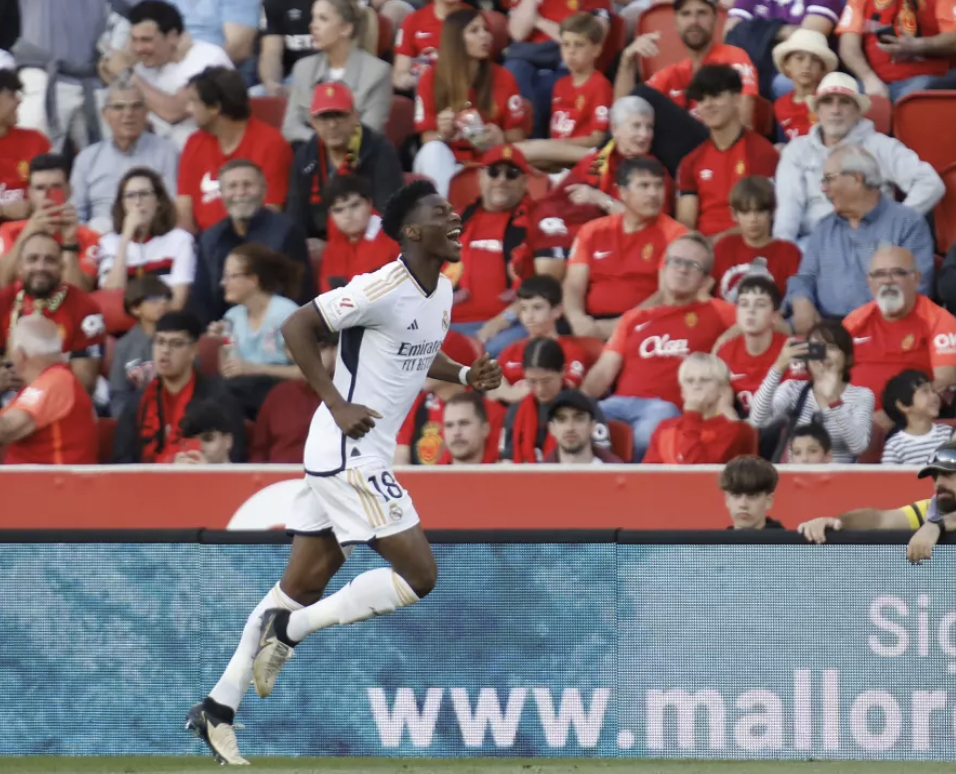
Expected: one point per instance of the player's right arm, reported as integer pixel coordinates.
(908, 517)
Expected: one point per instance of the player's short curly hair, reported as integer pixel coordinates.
(400, 205)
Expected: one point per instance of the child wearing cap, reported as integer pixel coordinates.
(910, 401)
(805, 58)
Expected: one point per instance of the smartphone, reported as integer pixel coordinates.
(57, 196)
(817, 350)
(885, 32)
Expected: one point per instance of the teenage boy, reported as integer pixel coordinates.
(748, 483)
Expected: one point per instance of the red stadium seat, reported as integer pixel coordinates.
(944, 216)
(386, 36)
(464, 188)
(109, 349)
(660, 18)
(528, 125)
(105, 431)
(401, 120)
(881, 114)
(209, 354)
(269, 109)
(498, 26)
(614, 42)
(921, 121)
(110, 303)
(622, 439)
(592, 347)
(763, 120)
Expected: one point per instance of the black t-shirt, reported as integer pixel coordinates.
(290, 19)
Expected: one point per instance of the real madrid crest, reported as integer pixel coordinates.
(690, 319)
(394, 512)
(444, 321)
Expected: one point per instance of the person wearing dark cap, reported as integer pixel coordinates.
(17, 148)
(572, 421)
(341, 145)
(929, 518)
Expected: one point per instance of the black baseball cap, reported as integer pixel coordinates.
(942, 461)
(571, 399)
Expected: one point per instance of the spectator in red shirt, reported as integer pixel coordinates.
(572, 425)
(52, 421)
(539, 309)
(52, 213)
(467, 429)
(357, 244)
(615, 260)
(581, 100)
(810, 444)
(733, 151)
(648, 345)
(708, 431)
(416, 46)
(696, 22)
(752, 248)
(18, 147)
(900, 329)
(41, 290)
(748, 484)
(466, 103)
(219, 104)
(805, 57)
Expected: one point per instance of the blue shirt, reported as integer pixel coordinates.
(204, 18)
(266, 345)
(836, 259)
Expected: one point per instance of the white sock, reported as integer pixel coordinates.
(376, 592)
(235, 681)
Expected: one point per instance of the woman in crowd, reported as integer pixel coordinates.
(465, 103)
(145, 240)
(845, 410)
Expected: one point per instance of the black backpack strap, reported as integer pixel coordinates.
(792, 422)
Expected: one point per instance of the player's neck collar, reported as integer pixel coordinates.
(415, 279)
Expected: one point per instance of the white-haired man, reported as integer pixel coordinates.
(840, 108)
(832, 280)
(52, 421)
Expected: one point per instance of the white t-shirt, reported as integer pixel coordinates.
(171, 257)
(174, 76)
(390, 334)
(904, 448)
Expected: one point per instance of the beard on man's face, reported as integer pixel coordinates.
(945, 499)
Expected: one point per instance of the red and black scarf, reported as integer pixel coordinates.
(527, 445)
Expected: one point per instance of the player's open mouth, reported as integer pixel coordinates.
(454, 236)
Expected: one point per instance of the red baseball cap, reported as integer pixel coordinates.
(506, 154)
(332, 97)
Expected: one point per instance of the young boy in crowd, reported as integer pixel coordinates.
(804, 57)
(146, 299)
(539, 309)
(207, 435)
(753, 250)
(910, 401)
(581, 101)
(748, 483)
(811, 445)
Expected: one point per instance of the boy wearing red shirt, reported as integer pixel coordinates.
(648, 345)
(416, 45)
(17, 149)
(708, 172)
(805, 57)
(219, 103)
(356, 244)
(615, 260)
(581, 101)
(753, 249)
(708, 432)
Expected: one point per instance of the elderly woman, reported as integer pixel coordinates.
(335, 26)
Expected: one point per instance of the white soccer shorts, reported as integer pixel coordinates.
(359, 504)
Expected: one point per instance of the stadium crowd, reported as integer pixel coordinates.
(688, 231)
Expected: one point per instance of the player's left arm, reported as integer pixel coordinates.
(484, 374)
(15, 424)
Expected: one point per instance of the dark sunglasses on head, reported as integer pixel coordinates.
(510, 172)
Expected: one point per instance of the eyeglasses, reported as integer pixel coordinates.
(685, 263)
(894, 273)
(164, 343)
(135, 196)
(119, 107)
(509, 172)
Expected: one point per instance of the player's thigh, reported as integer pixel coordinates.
(410, 555)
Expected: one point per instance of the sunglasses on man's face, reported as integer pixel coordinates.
(510, 172)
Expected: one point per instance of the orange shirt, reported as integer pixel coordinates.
(674, 79)
(923, 340)
(344, 259)
(795, 118)
(64, 419)
(87, 238)
(17, 149)
(202, 157)
(579, 111)
(709, 173)
(622, 266)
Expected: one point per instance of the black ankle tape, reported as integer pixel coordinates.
(281, 624)
(219, 711)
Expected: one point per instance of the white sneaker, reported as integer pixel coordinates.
(218, 735)
(271, 654)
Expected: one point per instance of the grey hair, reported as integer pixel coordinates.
(857, 160)
(123, 83)
(37, 336)
(625, 107)
(698, 239)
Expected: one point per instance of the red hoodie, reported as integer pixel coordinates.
(692, 440)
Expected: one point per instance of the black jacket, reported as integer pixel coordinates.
(377, 161)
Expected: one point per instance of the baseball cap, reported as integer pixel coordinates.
(942, 461)
(571, 399)
(506, 154)
(332, 97)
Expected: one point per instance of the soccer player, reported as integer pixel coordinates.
(391, 324)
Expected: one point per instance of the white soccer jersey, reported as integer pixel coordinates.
(389, 333)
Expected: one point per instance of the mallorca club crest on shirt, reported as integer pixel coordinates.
(741, 168)
(23, 169)
(430, 446)
(908, 342)
(690, 319)
(579, 102)
(647, 252)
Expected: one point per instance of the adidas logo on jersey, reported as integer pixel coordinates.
(413, 326)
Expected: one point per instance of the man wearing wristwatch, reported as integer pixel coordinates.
(48, 193)
(928, 519)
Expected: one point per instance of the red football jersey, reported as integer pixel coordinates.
(511, 361)
(795, 118)
(674, 79)
(344, 259)
(423, 430)
(420, 34)
(923, 340)
(87, 238)
(559, 10)
(623, 267)
(653, 342)
(692, 440)
(733, 258)
(202, 158)
(579, 111)
(74, 312)
(507, 109)
(17, 149)
(709, 173)
(747, 371)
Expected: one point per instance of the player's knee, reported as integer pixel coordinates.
(423, 579)
(306, 586)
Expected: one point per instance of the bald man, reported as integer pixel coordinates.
(900, 328)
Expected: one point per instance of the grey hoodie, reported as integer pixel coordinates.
(800, 200)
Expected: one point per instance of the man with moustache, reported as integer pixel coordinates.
(40, 290)
(928, 518)
(466, 428)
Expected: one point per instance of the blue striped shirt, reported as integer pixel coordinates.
(836, 259)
